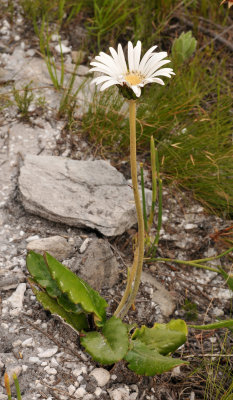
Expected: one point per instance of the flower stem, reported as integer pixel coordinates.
(135, 274)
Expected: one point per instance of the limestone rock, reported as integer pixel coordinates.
(78, 193)
(57, 246)
(101, 375)
(16, 299)
(99, 267)
(160, 295)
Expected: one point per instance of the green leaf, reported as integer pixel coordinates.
(77, 321)
(183, 47)
(229, 278)
(110, 345)
(217, 325)
(38, 269)
(163, 338)
(145, 361)
(78, 291)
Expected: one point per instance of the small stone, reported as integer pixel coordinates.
(57, 246)
(48, 353)
(84, 245)
(28, 342)
(218, 312)
(16, 299)
(120, 394)
(99, 267)
(62, 49)
(98, 391)
(71, 390)
(78, 56)
(31, 238)
(101, 375)
(30, 52)
(34, 360)
(80, 392)
(54, 362)
(55, 37)
(51, 371)
(189, 227)
(17, 343)
(176, 371)
(79, 371)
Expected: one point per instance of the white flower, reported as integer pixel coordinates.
(134, 75)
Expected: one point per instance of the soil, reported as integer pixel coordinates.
(200, 296)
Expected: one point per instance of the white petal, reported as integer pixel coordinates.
(146, 57)
(136, 90)
(101, 79)
(164, 72)
(108, 84)
(103, 68)
(155, 68)
(122, 59)
(137, 55)
(156, 58)
(157, 80)
(130, 57)
(110, 62)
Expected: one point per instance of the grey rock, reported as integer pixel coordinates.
(78, 193)
(101, 375)
(48, 352)
(99, 266)
(57, 246)
(122, 393)
(16, 299)
(161, 296)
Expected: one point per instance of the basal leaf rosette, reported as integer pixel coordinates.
(149, 348)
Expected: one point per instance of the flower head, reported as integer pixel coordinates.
(136, 74)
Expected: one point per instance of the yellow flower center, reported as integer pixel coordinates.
(133, 78)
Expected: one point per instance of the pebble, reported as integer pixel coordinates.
(61, 48)
(28, 342)
(48, 353)
(71, 390)
(16, 299)
(120, 394)
(98, 391)
(30, 238)
(54, 362)
(79, 371)
(188, 227)
(84, 245)
(34, 360)
(101, 375)
(50, 371)
(17, 343)
(80, 392)
(218, 312)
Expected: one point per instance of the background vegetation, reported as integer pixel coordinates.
(191, 117)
